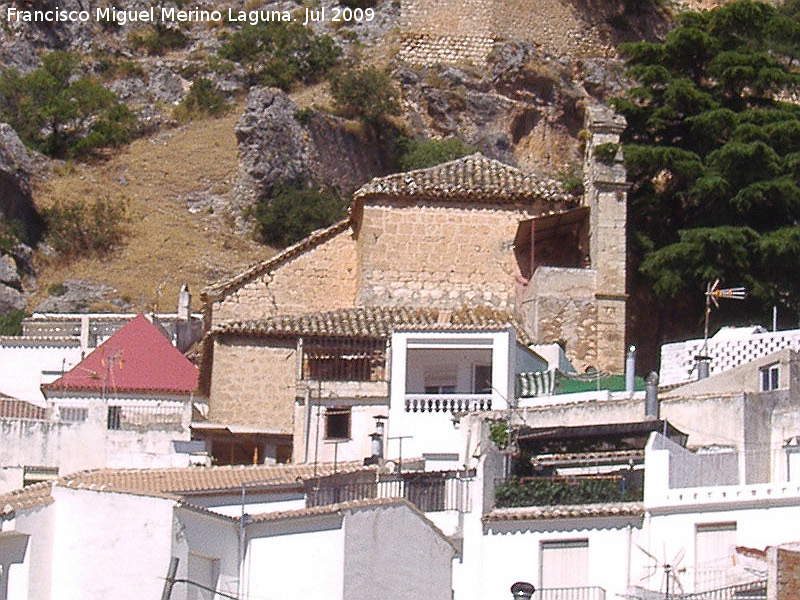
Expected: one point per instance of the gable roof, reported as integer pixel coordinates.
(137, 358)
(377, 322)
(473, 178)
(177, 481)
(316, 238)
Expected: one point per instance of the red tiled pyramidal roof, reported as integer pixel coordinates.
(136, 358)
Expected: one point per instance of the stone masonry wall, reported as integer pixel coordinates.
(586, 307)
(449, 31)
(323, 278)
(784, 579)
(253, 383)
(559, 305)
(428, 255)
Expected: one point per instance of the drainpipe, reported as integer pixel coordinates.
(629, 552)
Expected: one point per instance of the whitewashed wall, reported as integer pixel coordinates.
(393, 552)
(512, 551)
(74, 446)
(434, 432)
(30, 580)
(110, 545)
(25, 364)
(300, 558)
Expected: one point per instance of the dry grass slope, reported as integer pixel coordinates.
(167, 245)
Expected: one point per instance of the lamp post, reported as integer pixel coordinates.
(522, 589)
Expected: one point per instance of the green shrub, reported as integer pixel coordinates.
(366, 94)
(56, 289)
(53, 109)
(280, 54)
(358, 3)
(420, 154)
(606, 152)
(158, 39)
(11, 233)
(76, 228)
(204, 98)
(295, 210)
(549, 491)
(11, 322)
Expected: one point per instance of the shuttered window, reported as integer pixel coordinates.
(564, 564)
(714, 552)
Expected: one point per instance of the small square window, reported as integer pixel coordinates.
(337, 423)
(769, 378)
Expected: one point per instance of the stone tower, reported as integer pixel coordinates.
(606, 195)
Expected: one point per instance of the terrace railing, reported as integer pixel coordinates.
(570, 593)
(452, 403)
(429, 492)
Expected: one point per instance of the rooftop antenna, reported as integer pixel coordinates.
(713, 294)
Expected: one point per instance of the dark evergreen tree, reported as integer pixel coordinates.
(713, 151)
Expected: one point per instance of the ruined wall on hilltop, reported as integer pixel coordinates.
(449, 31)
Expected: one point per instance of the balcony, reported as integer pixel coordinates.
(444, 403)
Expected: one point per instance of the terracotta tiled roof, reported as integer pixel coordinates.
(529, 513)
(330, 509)
(177, 481)
(137, 358)
(28, 497)
(377, 322)
(473, 178)
(216, 290)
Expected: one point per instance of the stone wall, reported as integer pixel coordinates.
(449, 31)
(784, 574)
(322, 278)
(585, 308)
(445, 255)
(253, 382)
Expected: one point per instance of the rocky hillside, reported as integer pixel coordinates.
(188, 188)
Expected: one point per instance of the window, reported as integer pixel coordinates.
(114, 420)
(482, 379)
(337, 423)
(714, 549)
(344, 359)
(73, 414)
(769, 378)
(564, 564)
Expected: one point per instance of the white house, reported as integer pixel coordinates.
(128, 403)
(114, 533)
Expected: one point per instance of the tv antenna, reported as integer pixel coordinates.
(713, 294)
(670, 583)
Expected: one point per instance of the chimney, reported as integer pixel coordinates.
(184, 303)
(651, 406)
(377, 442)
(703, 366)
